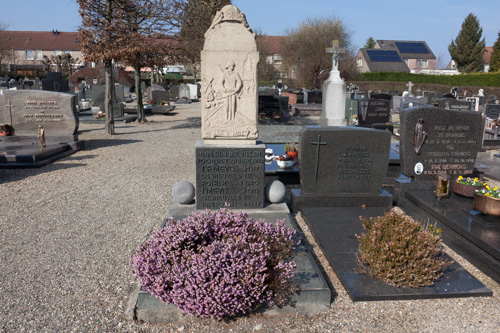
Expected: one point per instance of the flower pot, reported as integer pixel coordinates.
(292, 154)
(466, 190)
(285, 164)
(487, 205)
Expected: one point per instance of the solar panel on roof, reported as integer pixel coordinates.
(412, 48)
(383, 56)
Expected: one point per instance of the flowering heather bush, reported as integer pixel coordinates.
(400, 252)
(218, 264)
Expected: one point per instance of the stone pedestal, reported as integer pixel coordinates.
(229, 174)
(333, 101)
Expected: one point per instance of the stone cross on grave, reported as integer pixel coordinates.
(10, 111)
(336, 50)
(318, 143)
(409, 85)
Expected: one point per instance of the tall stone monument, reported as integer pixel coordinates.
(334, 90)
(229, 79)
(229, 161)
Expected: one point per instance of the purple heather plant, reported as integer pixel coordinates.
(219, 264)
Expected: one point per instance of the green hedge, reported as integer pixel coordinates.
(475, 79)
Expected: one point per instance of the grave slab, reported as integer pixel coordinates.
(335, 230)
(313, 296)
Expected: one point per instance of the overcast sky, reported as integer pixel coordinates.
(436, 22)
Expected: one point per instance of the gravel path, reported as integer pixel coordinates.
(67, 231)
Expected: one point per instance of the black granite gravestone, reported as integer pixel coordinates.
(454, 104)
(342, 166)
(439, 141)
(229, 174)
(315, 97)
(492, 110)
(373, 111)
(55, 82)
(385, 97)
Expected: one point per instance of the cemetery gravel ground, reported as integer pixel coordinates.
(67, 231)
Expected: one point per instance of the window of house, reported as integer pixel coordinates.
(67, 52)
(57, 52)
(269, 60)
(29, 54)
(422, 63)
(360, 62)
(38, 54)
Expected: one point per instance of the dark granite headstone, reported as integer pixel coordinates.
(439, 141)
(373, 111)
(55, 82)
(175, 92)
(160, 96)
(315, 97)
(99, 93)
(342, 167)
(229, 174)
(432, 96)
(119, 95)
(453, 104)
(492, 110)
(54, 111)
(150, 89)
(386, 97)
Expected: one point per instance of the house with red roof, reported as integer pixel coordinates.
(24, 50)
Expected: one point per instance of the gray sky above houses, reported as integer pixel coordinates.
(435, 21)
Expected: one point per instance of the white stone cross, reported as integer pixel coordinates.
(410, 86)
(335, 49)
(10, 111)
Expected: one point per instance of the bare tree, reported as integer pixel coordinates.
(304, 51)
(196, 18)
(47, 63)
(441, 61)
(102, 38)
(146, 23)
(4, 50)
(266, 69)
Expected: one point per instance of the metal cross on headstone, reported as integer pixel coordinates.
(336, 50)
(318, 143)
(10, 111)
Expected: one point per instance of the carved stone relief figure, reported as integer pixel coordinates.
(419, 136)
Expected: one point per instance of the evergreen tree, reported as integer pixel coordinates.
(468, 48)
(370, 43)
(495, 56)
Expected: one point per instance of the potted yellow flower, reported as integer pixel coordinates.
(467, 186)
(487, 201)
